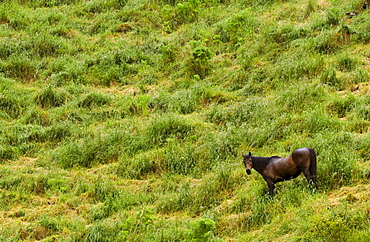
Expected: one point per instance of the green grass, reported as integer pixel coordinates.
(126, 120)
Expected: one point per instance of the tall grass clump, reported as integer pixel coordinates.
(329, 77)
(297, 66)
(310, 8)
(51, 97)
(223, 145)
(251, 111)
(90, 150)
(177, 13)
(346, 62)
(107, 69)
(28, 137)
(99, 6)
(262, 212)
(178, 194)
(212, 190)
(317, 121)
(134, 106)
(19, 67)
(284, 33)
(65, 69)
(198, 196)
(94, 99)
(341, 106)
(337, 165)
(360, 75)
(361, 28)
(185, 101)
(325, 43)
(102, 231)
(180, 158)
(300, 98)
(362, 147)
(36, 116)
(112, 197)
(362, 108)
(255, 3)
(141, 165)
(17, 19)
(237, 27)
(340, 223)
(164, 127)
(48, 3)
(46, 45)
(58, 132)
(198, 61)
(181, 101)
(26, 140)
(202, 229)
(333, 16)
(9, 152)
(10, 105)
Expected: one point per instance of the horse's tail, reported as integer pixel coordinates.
(313, 166)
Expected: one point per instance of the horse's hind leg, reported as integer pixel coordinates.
(310, 177)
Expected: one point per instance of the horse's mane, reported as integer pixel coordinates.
(275, 156)
(261, 162)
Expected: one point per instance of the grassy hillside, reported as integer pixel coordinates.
(125, 120)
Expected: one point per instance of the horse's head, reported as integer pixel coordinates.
(247, 160)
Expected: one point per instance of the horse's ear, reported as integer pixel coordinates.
(250, 154)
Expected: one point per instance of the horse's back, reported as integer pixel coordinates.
(301, 156)
(282, 168)
(301, 151)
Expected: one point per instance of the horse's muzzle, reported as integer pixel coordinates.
(248, 171)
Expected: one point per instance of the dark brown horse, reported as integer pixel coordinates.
(276, 169)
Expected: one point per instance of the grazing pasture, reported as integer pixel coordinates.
(125, 120)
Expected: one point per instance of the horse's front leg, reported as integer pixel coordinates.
(271, 187)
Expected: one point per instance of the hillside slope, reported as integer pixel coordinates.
(125, 120)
